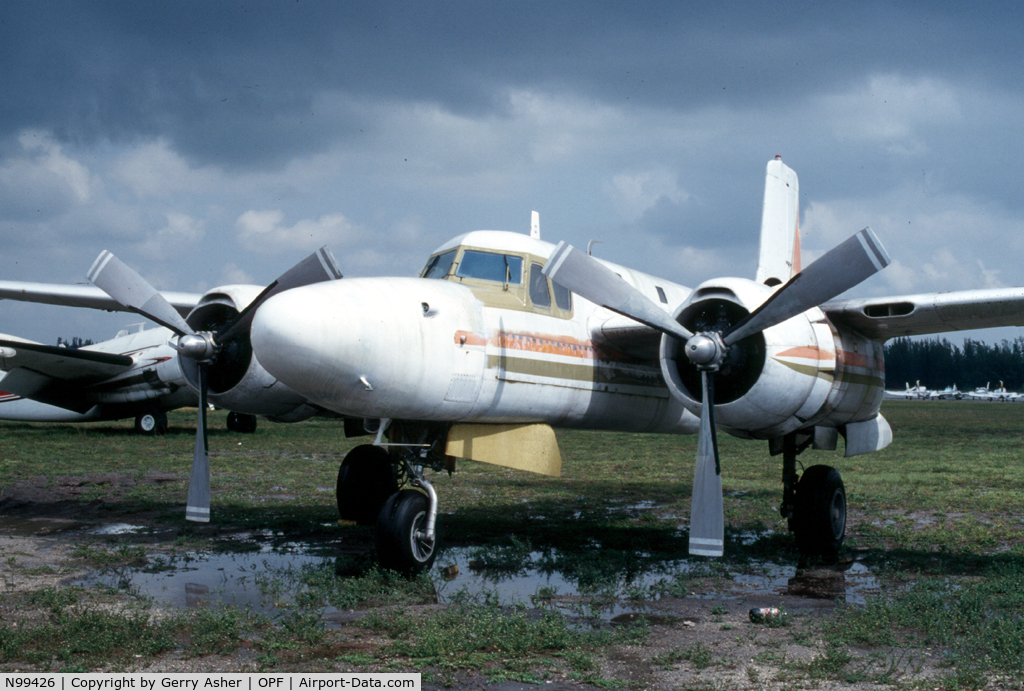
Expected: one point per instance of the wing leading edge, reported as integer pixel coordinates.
(929, 313)
(83, 296)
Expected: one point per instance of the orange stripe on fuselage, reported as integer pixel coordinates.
(807, 353)
(548, 344)
(843, 357)
(859, 360)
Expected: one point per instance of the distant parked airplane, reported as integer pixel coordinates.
(983, 393)
(950, 392)
(916, 392)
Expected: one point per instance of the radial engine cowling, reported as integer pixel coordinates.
(236, 380)
(770, 383)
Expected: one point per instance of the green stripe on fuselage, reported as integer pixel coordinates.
(600, 372)
(847, 377)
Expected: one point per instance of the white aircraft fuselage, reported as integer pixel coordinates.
(505, 347)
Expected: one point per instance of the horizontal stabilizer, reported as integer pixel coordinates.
(69, 364)
(56, 376)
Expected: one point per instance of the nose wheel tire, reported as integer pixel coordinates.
(365, 481)
(402, 545)
(819, 512)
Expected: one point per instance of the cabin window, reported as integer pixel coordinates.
(563, 298)
(539, 295)
(439, 265)
(502, 268)
(661, 295)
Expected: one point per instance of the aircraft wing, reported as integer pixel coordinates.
(83, 296)
(929, 313)
(53, 375)
(630, 337)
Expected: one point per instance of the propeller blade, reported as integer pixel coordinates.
(589, 278)
(707, 517)
(317, 267)
(116, 279)
(198, 507)
(836, 271)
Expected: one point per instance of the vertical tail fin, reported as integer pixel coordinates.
(779, 258)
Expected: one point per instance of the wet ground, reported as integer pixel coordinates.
(41, 526)
(239, 579)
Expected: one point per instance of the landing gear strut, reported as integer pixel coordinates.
(814, 503)
(383, 484)
(406, 542)
(407, 539)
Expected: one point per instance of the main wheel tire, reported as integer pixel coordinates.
(401, 545)
(365, 481)
(151, 423)
(241, 423)
(820, 512)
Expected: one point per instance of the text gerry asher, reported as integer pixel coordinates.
(228, 681)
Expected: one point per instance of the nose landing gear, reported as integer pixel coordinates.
(383, 485)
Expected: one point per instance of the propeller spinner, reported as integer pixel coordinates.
(130, 289)
(843, 267)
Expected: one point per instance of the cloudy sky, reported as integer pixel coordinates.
(219, 142)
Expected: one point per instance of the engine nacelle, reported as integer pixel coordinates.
(235, 379)
(769, 384)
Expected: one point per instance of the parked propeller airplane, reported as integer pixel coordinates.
(504, 337)
(983, 393)
(915, 392)
(139, 373)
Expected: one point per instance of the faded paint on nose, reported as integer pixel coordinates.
(300, 337)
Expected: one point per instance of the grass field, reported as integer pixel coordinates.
(937, 517)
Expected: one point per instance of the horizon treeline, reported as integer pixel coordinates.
(937, 363)
(74, 343)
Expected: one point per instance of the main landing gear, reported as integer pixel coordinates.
(241, 423)
(152, 422)
(814, 503)
(383, 485)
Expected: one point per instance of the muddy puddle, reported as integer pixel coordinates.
(269, 579)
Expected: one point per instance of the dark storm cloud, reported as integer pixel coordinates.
(238, 83)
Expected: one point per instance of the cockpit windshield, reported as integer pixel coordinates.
(439, 265)
(490, 266)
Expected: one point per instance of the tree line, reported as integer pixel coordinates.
(75, 342)
(938, 363)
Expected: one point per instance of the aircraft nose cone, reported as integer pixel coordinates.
(291, 337)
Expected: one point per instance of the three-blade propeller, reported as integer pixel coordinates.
(130, 289)
(843, 267)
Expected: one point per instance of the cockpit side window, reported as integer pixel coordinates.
(563, 298)
(502, 268)
(539, 295)
(439, 265)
